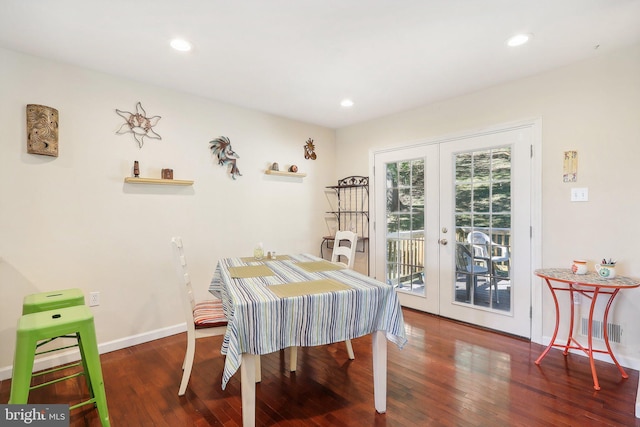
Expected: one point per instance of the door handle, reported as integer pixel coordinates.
(443, 242)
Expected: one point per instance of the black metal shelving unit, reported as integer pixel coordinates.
(352, 211)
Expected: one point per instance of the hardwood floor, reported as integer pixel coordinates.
(449, 374)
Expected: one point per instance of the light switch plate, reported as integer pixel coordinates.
(579, 194)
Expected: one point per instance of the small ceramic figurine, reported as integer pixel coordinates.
(293, 168)
(275, 167)
(167, 173)
(136, 169)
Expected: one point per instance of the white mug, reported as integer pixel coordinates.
(606, 271)
(579, 266)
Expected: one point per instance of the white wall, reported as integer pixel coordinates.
(592, 107)
(70, 221)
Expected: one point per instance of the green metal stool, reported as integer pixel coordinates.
(51, 300)
(36, 327)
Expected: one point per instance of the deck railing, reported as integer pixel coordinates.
(405, 251)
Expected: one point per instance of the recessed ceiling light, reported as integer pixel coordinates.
(519, 40)
(346, 103)
(181, 45)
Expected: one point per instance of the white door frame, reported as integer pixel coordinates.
(536, 204)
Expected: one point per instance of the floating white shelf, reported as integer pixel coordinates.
(132, 180)
(280, 173)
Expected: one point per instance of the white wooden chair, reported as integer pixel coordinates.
(204, 319)
(350, 253)
(346, 251)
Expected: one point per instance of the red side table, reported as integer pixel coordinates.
(590, 285)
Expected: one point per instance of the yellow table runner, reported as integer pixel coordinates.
(307, 288)
(247, 271)
(315, 266)
(278, 258)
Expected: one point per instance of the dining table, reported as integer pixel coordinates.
(301, 300)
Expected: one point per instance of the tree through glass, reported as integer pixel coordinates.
(483, 228)
(405, 225)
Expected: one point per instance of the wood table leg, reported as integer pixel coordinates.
(293, 358)
(379, 343)
(248, 389)
(258, 369)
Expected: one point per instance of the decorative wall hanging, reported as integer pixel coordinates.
(221, 147)
(308, 150)
(42, 130)
(138, 124)
(570, 166)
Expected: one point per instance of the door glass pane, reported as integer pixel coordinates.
(483, 229)
(463, 197)
(405, 225)
(481, 164)
(501, 192)
(463, 167)
(481, 199)
(404, 174)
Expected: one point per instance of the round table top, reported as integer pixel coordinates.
(590, 279)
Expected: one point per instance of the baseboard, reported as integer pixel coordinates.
(69, 356)
(625, 361)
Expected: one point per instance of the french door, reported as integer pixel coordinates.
(452, 223)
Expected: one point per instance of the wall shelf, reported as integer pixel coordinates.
(132, 180)
(280, 173)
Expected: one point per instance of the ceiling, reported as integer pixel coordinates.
(300, 58)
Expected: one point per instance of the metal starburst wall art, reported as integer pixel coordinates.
(138, 124)
(221, 147)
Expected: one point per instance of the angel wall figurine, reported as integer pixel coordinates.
(221, 147)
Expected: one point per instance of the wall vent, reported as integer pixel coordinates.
(613, 330)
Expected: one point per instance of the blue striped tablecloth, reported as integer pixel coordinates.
(261, 323)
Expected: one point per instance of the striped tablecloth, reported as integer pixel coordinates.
(260, 322)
